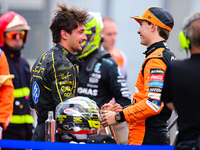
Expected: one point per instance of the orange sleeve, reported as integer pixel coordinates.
(6, 93)
(150, 104)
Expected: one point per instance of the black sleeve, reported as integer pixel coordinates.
(122, 116)
(30, 99)
(62, 81)
(166, 94)
(118, 85)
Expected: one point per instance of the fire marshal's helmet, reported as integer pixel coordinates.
(93, 30)
(77, 118)
(12, 21)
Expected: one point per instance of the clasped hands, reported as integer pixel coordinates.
(111, 109)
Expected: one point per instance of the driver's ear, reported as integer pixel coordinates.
(153, 26)
(64, 34)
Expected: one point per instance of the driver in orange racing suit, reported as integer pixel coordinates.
(147, 116)
(148, 112)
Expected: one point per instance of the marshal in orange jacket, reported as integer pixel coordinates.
(6, 91)
(120, 59)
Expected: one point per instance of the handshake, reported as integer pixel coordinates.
(108, 112)
(112, 106)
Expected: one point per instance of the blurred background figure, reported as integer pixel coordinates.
(6, 93)
(13, 35)
(100, 77)
(181, 86)
(109, 39)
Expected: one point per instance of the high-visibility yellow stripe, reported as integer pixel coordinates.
(21, 119)
(21, 92)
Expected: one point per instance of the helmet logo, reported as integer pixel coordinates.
(68, 111)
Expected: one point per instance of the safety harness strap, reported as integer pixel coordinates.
(97, 57)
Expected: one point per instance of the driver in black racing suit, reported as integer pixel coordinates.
(54, 75)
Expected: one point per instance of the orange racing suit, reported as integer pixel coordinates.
(147, 113)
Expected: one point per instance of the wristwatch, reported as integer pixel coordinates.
(118, 117)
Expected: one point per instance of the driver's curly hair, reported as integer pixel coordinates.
(66, 19)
